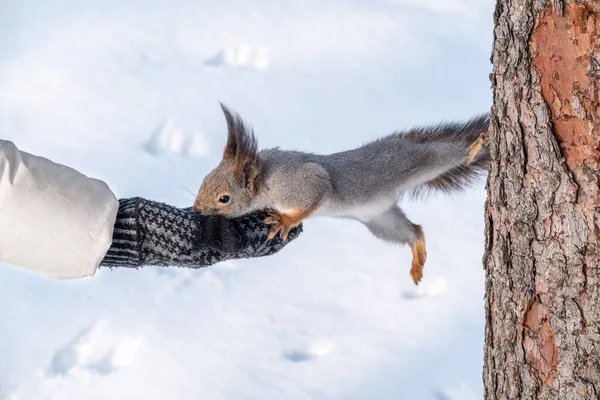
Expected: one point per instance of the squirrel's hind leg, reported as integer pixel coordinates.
(393, 226)
(419, 255)
(475, 148)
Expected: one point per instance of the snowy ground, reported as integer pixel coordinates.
(128, 91)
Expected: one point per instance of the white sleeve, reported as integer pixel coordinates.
(53, 219)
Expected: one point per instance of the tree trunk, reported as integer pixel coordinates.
(542, 257)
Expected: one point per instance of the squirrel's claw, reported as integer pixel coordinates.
(271, 220)
(281, 223)
(275, 230)
(285, 231)
(274, 218)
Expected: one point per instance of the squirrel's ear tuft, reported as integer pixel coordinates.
(241, 144)
(232, 132)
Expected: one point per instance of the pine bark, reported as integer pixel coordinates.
(542, 256)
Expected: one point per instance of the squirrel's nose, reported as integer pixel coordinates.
(197, 209)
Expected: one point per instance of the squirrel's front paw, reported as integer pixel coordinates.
(281, 223)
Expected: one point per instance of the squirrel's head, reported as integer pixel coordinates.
(230, 187)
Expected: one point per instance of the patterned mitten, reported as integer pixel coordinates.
(151, 233)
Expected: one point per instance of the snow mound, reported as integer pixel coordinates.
(98, 350)
(169, 139)
(431, 288)
(241, 57)
(311, 350)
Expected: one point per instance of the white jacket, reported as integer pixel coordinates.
(53, 219)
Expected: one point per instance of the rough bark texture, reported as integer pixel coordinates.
(542, 260)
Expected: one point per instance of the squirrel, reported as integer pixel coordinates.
(363, 184)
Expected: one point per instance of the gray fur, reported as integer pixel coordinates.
(393, 226)
(362, 184)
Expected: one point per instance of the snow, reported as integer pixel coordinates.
(168, 139)
(96, 350)
(241, 56)
(128, 92)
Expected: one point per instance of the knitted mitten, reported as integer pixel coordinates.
(151, 233)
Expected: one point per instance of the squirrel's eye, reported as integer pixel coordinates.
(224, 199)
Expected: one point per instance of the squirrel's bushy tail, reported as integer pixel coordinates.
(459, 177)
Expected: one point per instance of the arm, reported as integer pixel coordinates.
(151, 233)
(63, 224)
(53, 219)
